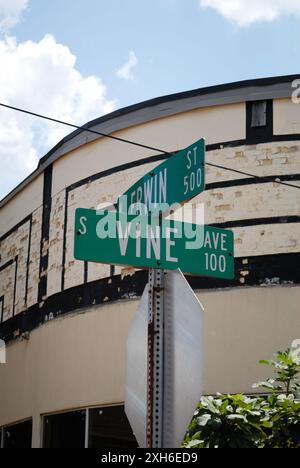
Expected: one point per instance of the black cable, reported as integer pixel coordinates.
(130, 142)
(277, 181)
(85, 129)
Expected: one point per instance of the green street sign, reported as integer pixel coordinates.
(109, 237)
(175, 181)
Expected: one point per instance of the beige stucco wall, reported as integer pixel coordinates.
(286, 117)
(221, 123)
(228, 204)
(65, 363)
(22, 205)
(79, 360)
(217, 124)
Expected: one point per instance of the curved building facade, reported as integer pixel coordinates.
(65, 322)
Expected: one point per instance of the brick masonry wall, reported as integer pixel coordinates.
(19, 280)
(242, 202)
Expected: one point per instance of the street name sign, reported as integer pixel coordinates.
(175, 181)
(107, 238)
(182, 357)
(163, 385)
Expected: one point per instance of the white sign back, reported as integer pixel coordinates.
(183, 360)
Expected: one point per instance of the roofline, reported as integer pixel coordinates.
(222, 93)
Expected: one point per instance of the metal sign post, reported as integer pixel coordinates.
(163, 386)
(155, 397)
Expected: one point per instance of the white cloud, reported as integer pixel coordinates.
(42, 77)
(11, 13)
(126, 72)
(246, 12)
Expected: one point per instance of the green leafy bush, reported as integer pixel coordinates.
(237, 421)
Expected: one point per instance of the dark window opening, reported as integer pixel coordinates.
(65, 430)
(259, 114)
(109, 428)
(18, 436)
(259, 121)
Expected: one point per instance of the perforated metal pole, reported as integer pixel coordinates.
(155, 396)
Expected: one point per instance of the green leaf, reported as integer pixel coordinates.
(265, 363)
(269, 384)
(203, 420)
(195, 444)
(244, 422)
(234, 417)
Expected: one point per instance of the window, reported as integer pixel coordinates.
(65, 430)
(259, 114)
(109, 428)
(18, 436)
(92, 428)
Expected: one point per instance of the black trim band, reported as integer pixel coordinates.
(163, 157)
(28, 262)
(252, 181)
(115, 170)
(48, 200)
(6, 265)
(64, 253)
(15, 228)
(154, 109)
(212, 186)
(44, 256)
(258, 222)
(10, 262)
(174, 97)
(86, 272)
(15, 284)
(253, 271)
(2, 308)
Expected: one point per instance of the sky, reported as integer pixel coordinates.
(76, 60)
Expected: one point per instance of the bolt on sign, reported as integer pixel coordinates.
(109, 237)
(175, 181)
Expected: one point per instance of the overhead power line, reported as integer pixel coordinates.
(83, 128)
(248, 174)
(140, 145)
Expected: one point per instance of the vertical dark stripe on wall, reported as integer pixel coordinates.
(64, 241)
(15, 285)
(86, 272)
(44, 259)
(259, 134)
(2, 308)
(28, 261)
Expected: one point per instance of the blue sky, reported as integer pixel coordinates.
(172, 45)
(179, 46)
